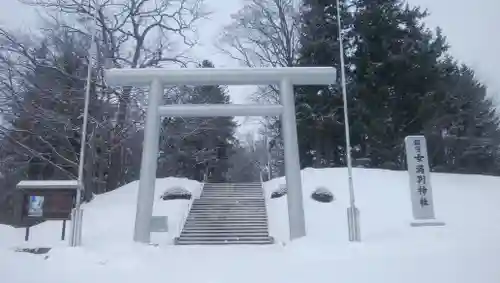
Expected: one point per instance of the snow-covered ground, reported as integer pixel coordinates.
(466, 250)
(109, 219)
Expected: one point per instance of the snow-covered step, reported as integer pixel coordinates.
(223, 226)
(220, 208)
(229, 218)
(225, 201)
(230, 202)
(232, 184)
(219, 234)
(223, 208)
(254, 190)
(222, 213)
(205, 191)
(251, 186)
(237, 190)
(208, 225)
(227, 205)
(231, 187)
(216, 203)
(242, 200)
(215, 222)
(240, 192)
(227, 214)
(232, 192)
(224, 238)
(230, 196)
(226, 229)
(228, 208)
(226, 242)
(234, 220)
(250, 189)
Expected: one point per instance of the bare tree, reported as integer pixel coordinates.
(131, 34)
(264, 33)
(41, 84)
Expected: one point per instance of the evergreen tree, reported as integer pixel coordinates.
(396, 72)
(468, 126)
(193, 147)
(400, 83)
(320, 108)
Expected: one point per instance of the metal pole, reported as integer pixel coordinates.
(145, 197)
(72, 227)
(63, 232)
(292, 163)
(85, 122)
(268, 157)
(76, 223)
(352, 211)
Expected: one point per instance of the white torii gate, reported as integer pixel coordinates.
(157, 79)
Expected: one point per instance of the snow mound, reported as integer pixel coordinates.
(281, 191)
(322, 194)
(176, 193)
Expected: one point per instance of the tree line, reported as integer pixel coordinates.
(42, 87)
(400, 81)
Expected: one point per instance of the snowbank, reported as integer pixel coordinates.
(466, 250)
(109, 218)
(469, 204)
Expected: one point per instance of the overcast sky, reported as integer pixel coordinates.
(472, 28)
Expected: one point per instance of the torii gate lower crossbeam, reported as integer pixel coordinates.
(157, 79)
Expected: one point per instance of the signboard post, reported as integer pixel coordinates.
(420, 182)
(159, 224)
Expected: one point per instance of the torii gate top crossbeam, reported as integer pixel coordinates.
(222, 76)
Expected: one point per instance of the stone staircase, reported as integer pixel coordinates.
(227, 214)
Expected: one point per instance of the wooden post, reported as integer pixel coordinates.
(63, 232)
(27, 234)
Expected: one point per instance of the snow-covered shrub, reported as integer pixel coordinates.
(176, 193)
(281, 191)
(322, 194)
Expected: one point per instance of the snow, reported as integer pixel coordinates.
(467, 249)
(109, 218)
(50, 184)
